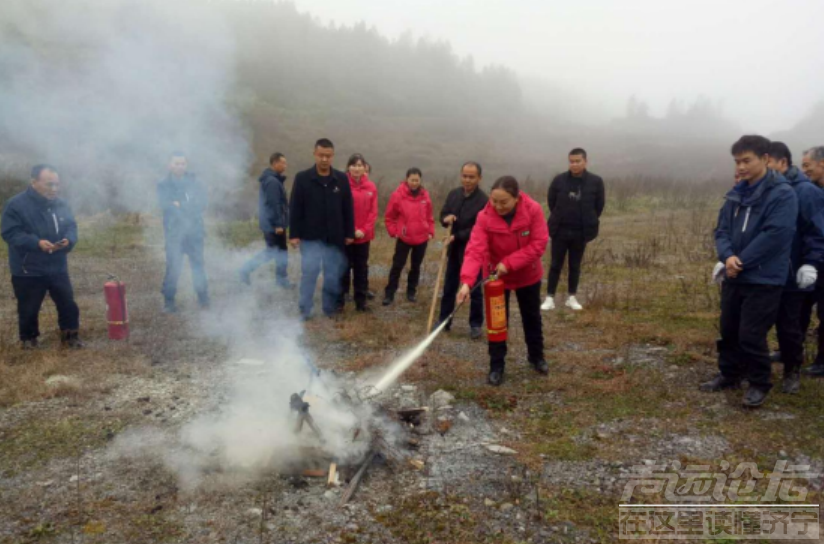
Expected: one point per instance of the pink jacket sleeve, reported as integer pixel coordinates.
(391, 217)
(535, 248)
(372, 218)
(477, 252)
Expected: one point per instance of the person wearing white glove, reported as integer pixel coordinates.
(718, 275)
(806, 276)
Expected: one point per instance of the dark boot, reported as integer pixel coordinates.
(719, 383)
(71, 339)
(792, 382)
(28, 345)
(816, 371)
(411, 296)
(475, 333)
(496, 378)
(370, 295)
(362, 307)
(388, 299)
(541, 367)
(755, 397)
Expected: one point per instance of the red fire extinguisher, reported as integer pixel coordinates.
(495, 301)
(117, 313)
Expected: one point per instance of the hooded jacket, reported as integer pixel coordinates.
(365, 203)
(519, 246)
(185, 220)
(758, 227)
(30, 217)
(808, 242)
(409, 215)
(273, 204)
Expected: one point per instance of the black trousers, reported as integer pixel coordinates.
(451, 284)
(318, 256)
(789, 328)
(176, 249)
(357, 271)
(816, 298)
(402, 251)
(748, 312)
(277, 250)
(30, 292)
(529, 303)
(567, 242)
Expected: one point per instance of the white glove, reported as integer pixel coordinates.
(719, 273)
(806, 276)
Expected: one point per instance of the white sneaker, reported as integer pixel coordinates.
(549, 304)
(573, 304)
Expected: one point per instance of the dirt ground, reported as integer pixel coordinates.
(622, 393)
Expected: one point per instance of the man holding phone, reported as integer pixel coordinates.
(40, 231)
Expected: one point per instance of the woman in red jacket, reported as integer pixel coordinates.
(509, 239)
(365, 204)
(409, 220)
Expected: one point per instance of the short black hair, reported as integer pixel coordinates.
(508, 184)
(353, 160)
(275, 157)
(477, 165)
(578, 151)
(325, 143)
(759, 145)
(37, 169)
(414, 170)
(779, 150)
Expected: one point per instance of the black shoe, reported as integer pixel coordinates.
(755, 397)
(792, 383)
(169, 307)
(816, 371)
(28, 345)
(719, 383)
(495, 378)
(411, 297)
(387, 300)
(541, 367)
(475, 333)
(362, 308)
(370, 295)
(245, 278)
(71, 339)
(775, 356)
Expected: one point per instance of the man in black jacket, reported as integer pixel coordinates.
(576, 200)
(183, 200)
(459, 213)
(40, 231)
(273, 218)
(321, 223)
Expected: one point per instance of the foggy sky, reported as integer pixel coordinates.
(763, 60)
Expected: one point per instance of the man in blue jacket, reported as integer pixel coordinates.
(754, 240)
(806, 257)
(183, 200)
(322, 224)
(40, 230)
(273, 218)
(813, 166)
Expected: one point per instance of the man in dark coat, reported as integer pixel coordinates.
(813, 166)
(576, 201)
(754, 240)
(40, 231)
(322, 224)
(273, 218)
(183, 200)
(459, 213)
(806, 257)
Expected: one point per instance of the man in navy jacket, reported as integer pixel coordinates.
(183, 200)
(813, 166)
(322, 224)
(40, 231)
(806, 257)
(273, 218)
(754, 240)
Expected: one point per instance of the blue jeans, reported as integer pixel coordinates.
(176, 249)
(276, 250)
(317, 257)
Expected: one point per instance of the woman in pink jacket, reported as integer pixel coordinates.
(365, 204)
(409, 220)
(510, 238)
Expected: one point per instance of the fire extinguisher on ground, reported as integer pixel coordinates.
(117, 313)
(495, 302)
